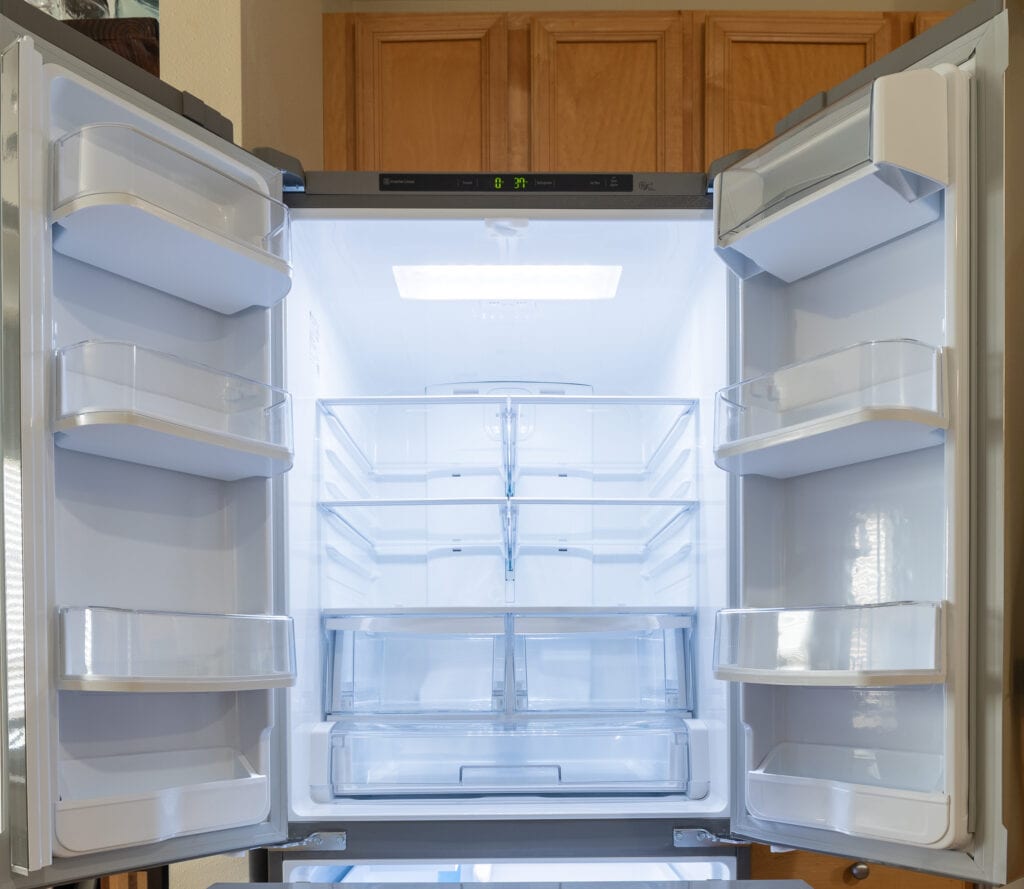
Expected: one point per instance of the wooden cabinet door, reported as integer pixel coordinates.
(760, 66)
(430, 93)
(613, 92)
(829, 872)
(925, 20)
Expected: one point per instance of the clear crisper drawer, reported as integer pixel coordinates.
(112, 649)
(122, 401)
(893, 643)
(417, 663)
(867, 401)
(448, 662)
(512, 757)
(196, 231)
(626, 662)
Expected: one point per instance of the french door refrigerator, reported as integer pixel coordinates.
(582, 520)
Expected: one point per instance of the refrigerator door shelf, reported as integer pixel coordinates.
(857, 175)
(892, 643)
(130, 204)
(883, 794)
(863, 402)
(110, 802)
(452, 663)
(556, 446)
(125, 402)
(112, 649)
(520, 756)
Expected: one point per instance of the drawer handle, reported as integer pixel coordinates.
(859, 870)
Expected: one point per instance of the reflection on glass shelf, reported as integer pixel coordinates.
(867, 401)
(892, 643)
(512, 757)
(882, 794)
(561, 662)
(196, 232)
(114, 649)
(135, 798)
(125, 402)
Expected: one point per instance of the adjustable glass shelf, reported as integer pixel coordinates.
(196, 231)
(554, 446)
(864, 402)
(125, 402)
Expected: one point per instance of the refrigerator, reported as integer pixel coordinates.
(469, 525)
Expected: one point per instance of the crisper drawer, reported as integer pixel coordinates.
(514, 757)
(560, 662)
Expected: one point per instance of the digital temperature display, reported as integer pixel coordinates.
(506, 182)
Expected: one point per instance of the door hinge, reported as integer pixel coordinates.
(315, 842)
(683, 838)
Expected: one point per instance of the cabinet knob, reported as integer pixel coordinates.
(859, 870)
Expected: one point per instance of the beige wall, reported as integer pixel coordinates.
(258, 62)
(540, 6)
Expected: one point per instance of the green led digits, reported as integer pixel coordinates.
(499, 183)
(519, 183)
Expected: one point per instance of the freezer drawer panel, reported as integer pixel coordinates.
(893, 643)
(125, 402)
(111, 649)
(196, 232)
(114, 801)
(863, 402)
(519, 756)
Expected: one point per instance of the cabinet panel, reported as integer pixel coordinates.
(925, 20)
(430, 92)
(609, 92)
(759, 67)
(829, 872)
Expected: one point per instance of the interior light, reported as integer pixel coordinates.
(507, 282)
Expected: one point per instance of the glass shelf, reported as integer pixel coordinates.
(554, 446)
(112, 649)
(864, 402)
(892, 643)
(882, 794)
(454, 663)
(113, 801)
(195, 231)
(520, 756)
(125, 402)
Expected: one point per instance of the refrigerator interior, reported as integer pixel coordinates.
(154, 426)
(507, 536)
(696, 868)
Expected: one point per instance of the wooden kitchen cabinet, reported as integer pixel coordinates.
(427, 92)
(830, 872)
(614, 92)
(760, 66)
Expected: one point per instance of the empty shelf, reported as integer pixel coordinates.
(195, 232)
(561, 661)
(867, 401)
(883, 794)
(556, 446)
(893, 643)
(122, 401)
(519, 756)
(109, 802)
(111, 649)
